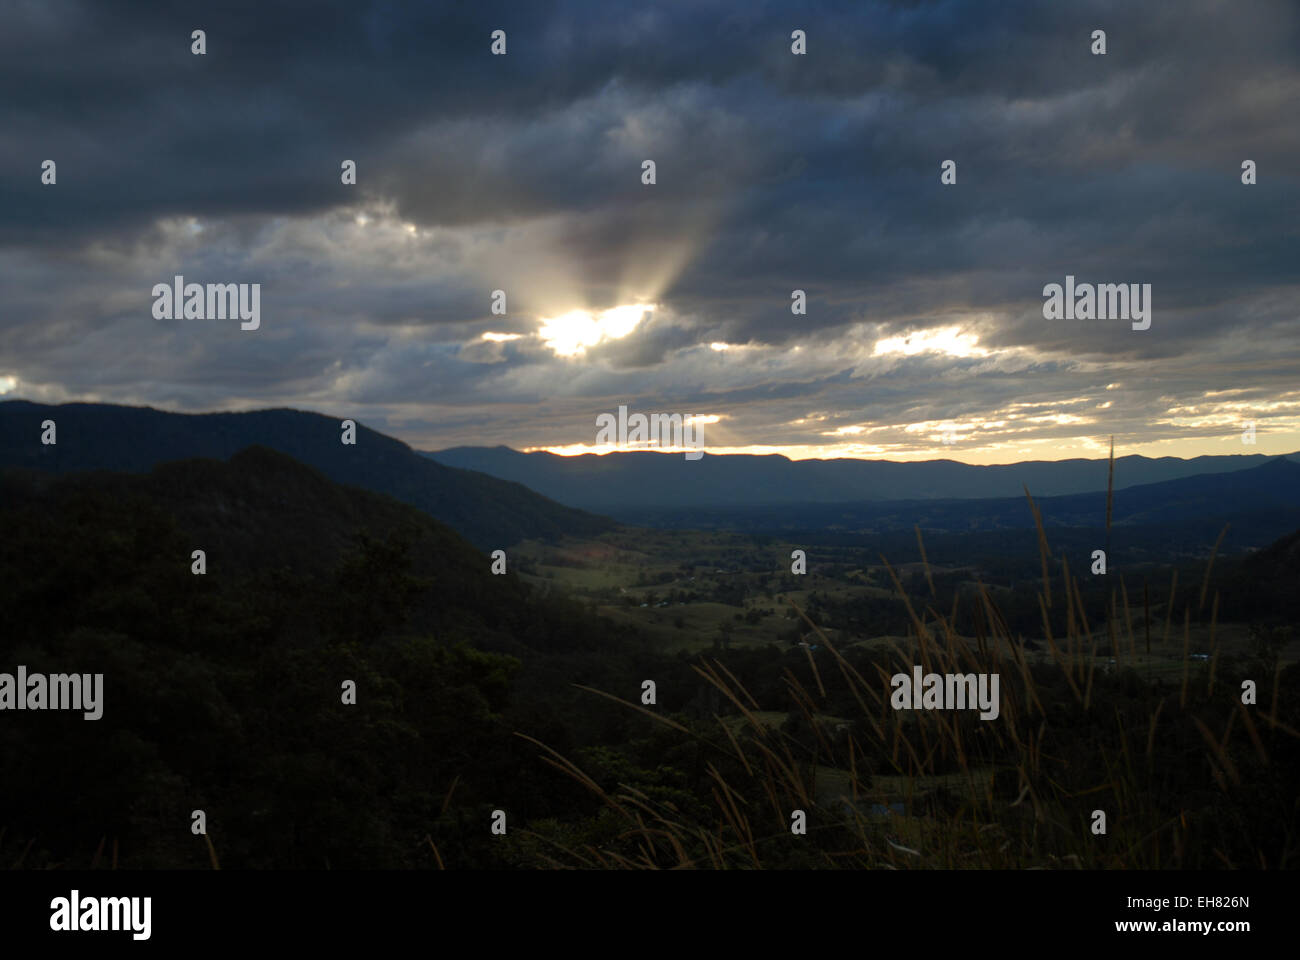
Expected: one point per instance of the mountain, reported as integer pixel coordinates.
(488, 511)
(1266, 586)
(229, 691)
(1261, 502)
(260, 515)
(620, 483)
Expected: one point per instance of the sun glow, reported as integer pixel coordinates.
(570, 334)
(951, 341)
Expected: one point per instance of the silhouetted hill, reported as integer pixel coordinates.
(1279, 560)
(260, 514)
(615, 482)
(488, 511)
(1266, 585)
(224, 691)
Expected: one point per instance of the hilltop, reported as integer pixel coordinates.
(489, 512)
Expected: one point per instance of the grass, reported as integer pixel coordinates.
(1016, 792)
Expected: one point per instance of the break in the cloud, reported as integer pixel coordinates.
(775, 172)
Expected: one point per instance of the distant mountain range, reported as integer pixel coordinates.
(1262, 503)
(624, 485)
(487, 511)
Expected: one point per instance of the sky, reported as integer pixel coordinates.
(924, 334)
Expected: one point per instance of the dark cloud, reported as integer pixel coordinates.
(775, 172)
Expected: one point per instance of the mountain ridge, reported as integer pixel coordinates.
(610, 482)
(486, 510)
(1258, 504)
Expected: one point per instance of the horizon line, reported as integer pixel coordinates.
(793, 453)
